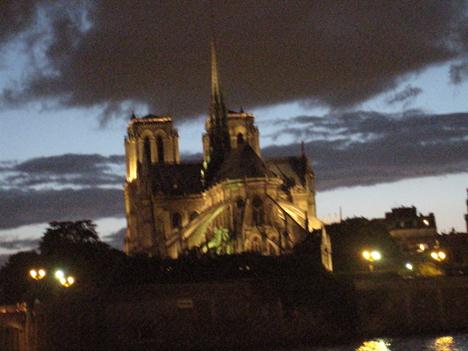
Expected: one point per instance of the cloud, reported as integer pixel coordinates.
(63, 171)
(365, 148)
(404, 95)
(347, 149)
(31, 206)
(155, 54)
(458, 72)
(19, 244)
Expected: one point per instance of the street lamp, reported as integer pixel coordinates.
(37, 274)
(64, 280)
(67, 282)
(438, 255)
(371, 256)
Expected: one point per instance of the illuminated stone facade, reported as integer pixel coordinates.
(232, 202)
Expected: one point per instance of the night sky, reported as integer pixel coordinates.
(377, 90)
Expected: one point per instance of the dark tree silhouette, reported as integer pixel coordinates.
(71, 246)
(67, 237)
(14, 279)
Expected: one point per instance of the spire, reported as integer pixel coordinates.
(218, 127)
(215, 88)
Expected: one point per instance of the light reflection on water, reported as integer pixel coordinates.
(441, 343)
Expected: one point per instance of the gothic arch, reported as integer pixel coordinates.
(160, 149)
(258, 212)
(162, 145)
(147, 133)
(147, 154)
(240, 138)
(146, 145)
(176, 220)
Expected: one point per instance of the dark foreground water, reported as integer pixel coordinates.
(422, 343)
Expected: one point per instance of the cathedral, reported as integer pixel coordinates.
(233, 201)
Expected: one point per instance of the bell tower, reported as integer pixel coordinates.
(150, 140)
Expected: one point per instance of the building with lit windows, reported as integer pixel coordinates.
(234, 201)
(413, 231)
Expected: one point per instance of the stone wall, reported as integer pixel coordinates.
(244, 314)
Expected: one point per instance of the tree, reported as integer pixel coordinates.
(67, 237)
(70, 246)
(14, 279)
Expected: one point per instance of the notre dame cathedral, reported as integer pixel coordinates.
(232, 202)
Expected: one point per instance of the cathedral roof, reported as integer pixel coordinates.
(292, 169)
(177, 179)
(243, 162)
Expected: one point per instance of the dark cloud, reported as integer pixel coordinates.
(115, 56)
(17, 15)
(27, 207)
(458, 72)
(19, 244)
(64, 170)
(365, 148)
(404, 95)
(68, 164)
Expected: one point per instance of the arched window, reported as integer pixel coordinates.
(240, 203)
(147, 151)
(176, 220)
(240, 139)
(160, 149)
(257, 211)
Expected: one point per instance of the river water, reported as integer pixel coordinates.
(425, 343)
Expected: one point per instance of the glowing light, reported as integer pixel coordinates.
(376, 255)
(438, 255)
(372, 256)
(444, 343)
(426, 222)
(409, 266)
(422, 247)
(374, 345)
(67, 281)
(42, 273)
(59, 274)
(366, 255)
(37, 274)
